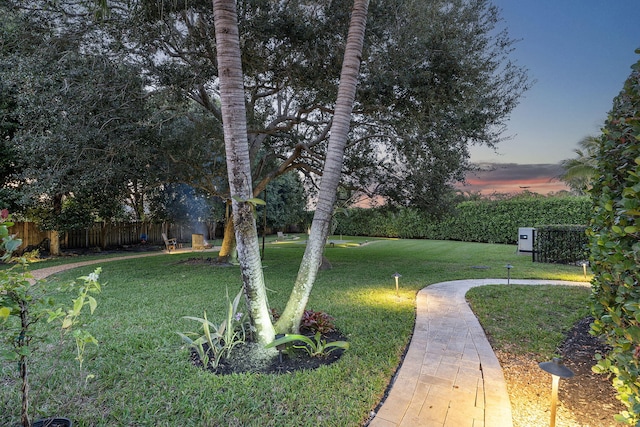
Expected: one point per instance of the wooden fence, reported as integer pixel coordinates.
(106, 235)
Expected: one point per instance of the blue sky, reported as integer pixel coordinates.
(580, 53)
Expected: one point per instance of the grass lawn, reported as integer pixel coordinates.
(529, 319)
(142, 373)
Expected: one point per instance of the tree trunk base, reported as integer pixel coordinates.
(325, 265)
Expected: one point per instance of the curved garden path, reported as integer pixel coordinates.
(450, 376)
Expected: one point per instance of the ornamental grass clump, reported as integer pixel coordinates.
(216, 342)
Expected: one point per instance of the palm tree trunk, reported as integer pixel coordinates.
(291, 316)
(232, 101)
(228, 242)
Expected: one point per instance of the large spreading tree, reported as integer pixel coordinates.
(436, 78)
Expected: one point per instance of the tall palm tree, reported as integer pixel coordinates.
(580, 171)
(331, 173)
(232, 103)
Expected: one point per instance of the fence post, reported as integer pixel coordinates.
(533, 245)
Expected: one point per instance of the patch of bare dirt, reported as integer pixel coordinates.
(586, 400)
(212, 261)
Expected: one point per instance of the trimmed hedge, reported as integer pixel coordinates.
(487, 221)
(615, 247)
(561, 244)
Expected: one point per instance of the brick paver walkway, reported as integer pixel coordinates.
(450, 376)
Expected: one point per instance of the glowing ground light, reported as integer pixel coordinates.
(397, 276)
(557, 371)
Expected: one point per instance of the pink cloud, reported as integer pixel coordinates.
(514, 178)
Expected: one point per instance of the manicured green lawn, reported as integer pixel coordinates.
(529, 319)
(142, 373)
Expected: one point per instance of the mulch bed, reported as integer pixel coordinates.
(246, 358)
(586, 400)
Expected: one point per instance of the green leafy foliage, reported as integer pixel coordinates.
(316, 347)
(317, 323)
(615, 246)
(564, 244)
(220, 339)
(285, 202)
(24, 302)
(485, 220)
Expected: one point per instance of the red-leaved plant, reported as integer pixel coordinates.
(317, 321)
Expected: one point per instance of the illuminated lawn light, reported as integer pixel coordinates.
(397, 276)
(557, 371)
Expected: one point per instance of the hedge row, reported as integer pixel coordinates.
(615, 247)
(561, 244)
(489, 221)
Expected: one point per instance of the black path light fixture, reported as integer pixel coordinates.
(397, 276)
(557, 371)
(508, 267)
(280, 347)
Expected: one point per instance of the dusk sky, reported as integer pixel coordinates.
(580, 53)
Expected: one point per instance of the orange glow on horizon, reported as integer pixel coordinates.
(540, 185)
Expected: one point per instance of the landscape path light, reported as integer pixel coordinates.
(584, 268)
(397, 276)
(557, 371)
(280, 347)
(508, 267)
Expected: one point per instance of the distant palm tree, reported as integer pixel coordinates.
(580, 171)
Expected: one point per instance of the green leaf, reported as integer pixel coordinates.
(12, 245)
(256, 201)
(633, 334)
(77, 305)
(290, 338)
(185, 338)
(9, 355)
(92, 304)
(5, 312)
(67, 323)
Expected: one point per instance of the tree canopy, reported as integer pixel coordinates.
(581, 171)
(436, 77)
(78, 119)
